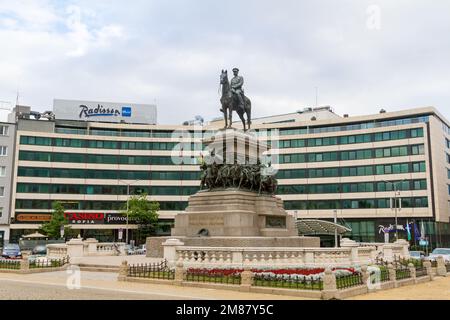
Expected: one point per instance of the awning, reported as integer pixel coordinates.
(319, 227)
(34, 236)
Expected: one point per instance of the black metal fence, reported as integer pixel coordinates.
(384, 275)
(151, 270)
(205, 275)
(48, 263)
(287, 282)
(402, 273)
(9, 264)
(348, 281)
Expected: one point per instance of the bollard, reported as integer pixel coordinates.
(246, 279)
(123, 271)
(392, 274)
(329, 285)
(427, 266)
(441, 270)
(365, 274)
(24, 263)
(412, 272)
(179, 273)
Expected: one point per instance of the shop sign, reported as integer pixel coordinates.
(117, 218)
(85, 218)
(22, 217)
(390, 228)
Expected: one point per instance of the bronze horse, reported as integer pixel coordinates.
(230, 103)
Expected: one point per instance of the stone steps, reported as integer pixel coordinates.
(98, 268)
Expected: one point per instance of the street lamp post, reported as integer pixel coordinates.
(396, 193)
(128, 205)
(335, 229)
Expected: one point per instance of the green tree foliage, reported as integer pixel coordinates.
(53, 228)
(144, 213)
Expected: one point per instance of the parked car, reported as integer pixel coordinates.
(39, 250)
(131, 250)
(417, 254)
(12, 251)
(141, 250)
(444, 252)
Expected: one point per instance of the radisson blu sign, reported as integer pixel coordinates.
(104, 111)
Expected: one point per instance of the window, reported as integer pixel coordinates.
(3, 151)
(4, 130)
(1, 212)
(2, 191)
(418, 149)
(2, 171)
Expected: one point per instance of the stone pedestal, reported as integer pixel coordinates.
(234, 213)
(75, 248)
(91, 245)
(169, 247)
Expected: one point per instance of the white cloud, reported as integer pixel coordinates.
(173, 52)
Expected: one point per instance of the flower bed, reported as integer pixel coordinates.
(294, 278)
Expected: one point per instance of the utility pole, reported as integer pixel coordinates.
(335, 229)
(395, 207)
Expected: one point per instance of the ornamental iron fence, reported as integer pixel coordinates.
(348, 281)
(151, 270)
(48, 263)
(288, 282)
(9, 264)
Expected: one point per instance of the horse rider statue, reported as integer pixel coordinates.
(236, 84)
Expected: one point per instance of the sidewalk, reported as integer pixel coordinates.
(107, 282)
(438, 289)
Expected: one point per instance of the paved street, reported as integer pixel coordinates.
(104, 286)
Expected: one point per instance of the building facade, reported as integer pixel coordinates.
(327, 165)
(7, 139)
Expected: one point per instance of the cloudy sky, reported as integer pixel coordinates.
(361, 55)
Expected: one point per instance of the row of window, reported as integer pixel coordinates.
(93, 205)
(101, 189)
(416, 202)
(358, 126)
(353, 155)
(107, 174)
(353, 171)
(97, 144)
(297, 143)
(195, 175)
(104, 159)
(352, 187)
(135, 133)
(167, 160)
(303, 130)
(361, 138)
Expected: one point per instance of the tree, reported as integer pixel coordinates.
(142, 212)
(53, 227)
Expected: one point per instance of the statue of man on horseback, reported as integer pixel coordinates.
(236, 84)
(233, 99)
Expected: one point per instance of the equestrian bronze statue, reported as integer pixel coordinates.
(233, 99)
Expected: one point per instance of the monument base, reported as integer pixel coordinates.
(234, 213)
(155, 249)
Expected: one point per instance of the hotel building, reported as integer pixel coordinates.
(328, 164)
